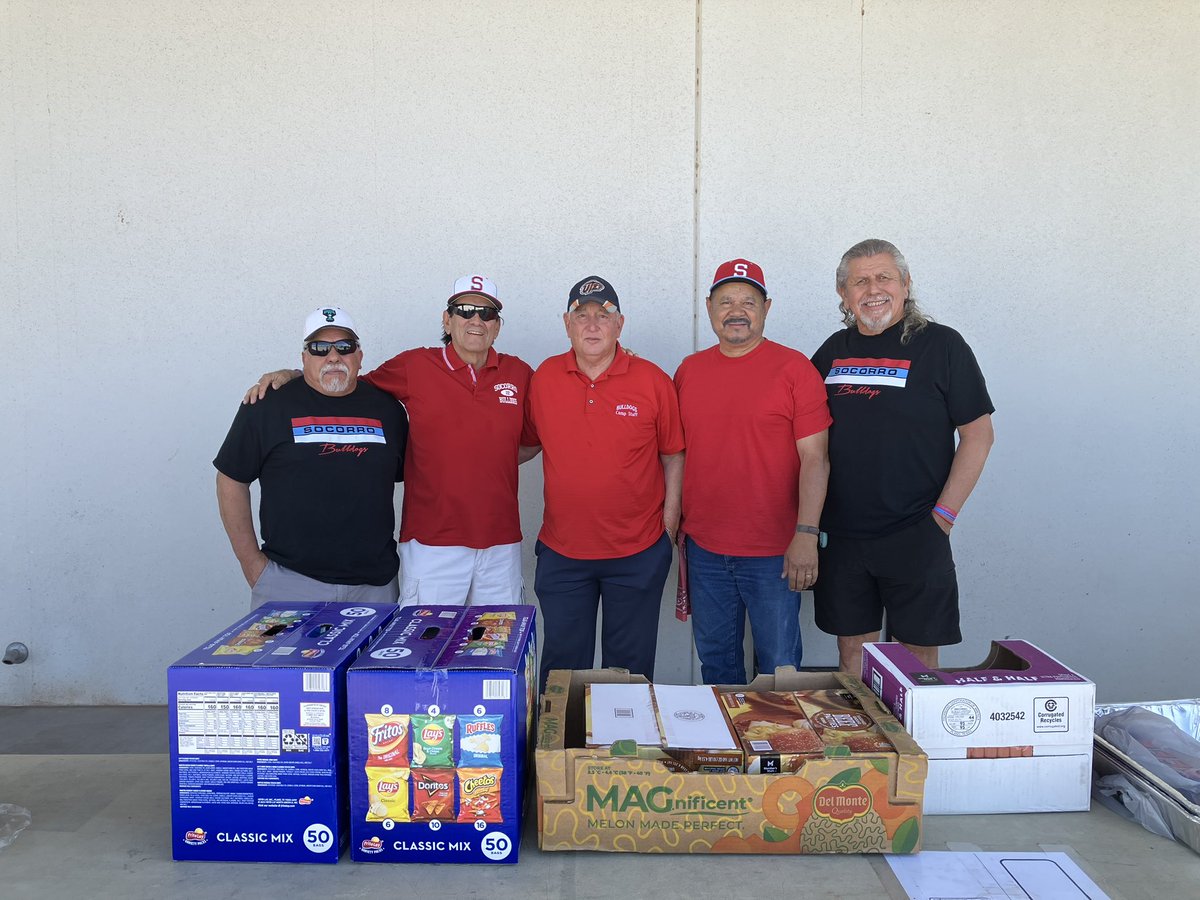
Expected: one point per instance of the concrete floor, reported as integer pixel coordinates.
(96, 782)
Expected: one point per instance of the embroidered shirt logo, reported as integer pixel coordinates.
(506, 393)
(627, 409)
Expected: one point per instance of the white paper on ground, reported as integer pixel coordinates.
(993, 876)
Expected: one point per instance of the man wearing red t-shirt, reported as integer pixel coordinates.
(756, 422)
(460, 529)
(608, 424)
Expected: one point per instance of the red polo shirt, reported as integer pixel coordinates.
(743, 416)
(601, 442)
(465, 428)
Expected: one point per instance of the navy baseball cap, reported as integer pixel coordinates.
(593, 289)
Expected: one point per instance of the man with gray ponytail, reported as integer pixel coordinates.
(900, 388)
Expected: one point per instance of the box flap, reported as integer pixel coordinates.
(292, 635)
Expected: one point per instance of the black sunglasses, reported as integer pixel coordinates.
(322, 348)
(467, 310)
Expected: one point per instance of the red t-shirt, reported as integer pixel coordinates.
(601, 441)
(465, 428)
(742, 417)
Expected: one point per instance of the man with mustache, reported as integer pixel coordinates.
(755, 421)
(460, 527)
(900, 387)
(326, 451)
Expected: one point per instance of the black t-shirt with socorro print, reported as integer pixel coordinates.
(895, 409)
(327, 468)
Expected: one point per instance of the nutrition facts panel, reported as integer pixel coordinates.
(228, 722)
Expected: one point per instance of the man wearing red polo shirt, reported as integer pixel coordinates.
(608, 424)
(460, 528)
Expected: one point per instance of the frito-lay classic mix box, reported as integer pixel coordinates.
(258, 744)
(632, 798)
(1012, 734)
(440, 711)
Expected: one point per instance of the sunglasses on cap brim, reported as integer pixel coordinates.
(322, 348)
(467, 310)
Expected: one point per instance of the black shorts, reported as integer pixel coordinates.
(909, 574)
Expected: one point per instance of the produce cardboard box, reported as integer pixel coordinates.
(439, 712)
(627, 798)
(1012, 734)
(258, 735)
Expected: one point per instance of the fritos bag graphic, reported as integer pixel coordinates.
(387, 739)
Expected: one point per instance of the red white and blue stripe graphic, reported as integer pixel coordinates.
(337, 430)
(877, 372)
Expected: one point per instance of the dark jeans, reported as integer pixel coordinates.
(570, 591)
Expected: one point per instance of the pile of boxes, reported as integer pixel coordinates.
(405, 734)
(1012, 734)
(402, 732)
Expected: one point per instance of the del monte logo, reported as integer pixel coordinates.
(841, 804)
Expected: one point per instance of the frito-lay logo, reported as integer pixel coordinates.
(196, 837)
(387, 788)
(474, 784)
(433, 734)
(841, 804)
(385, 733)
(371, 845)
(305, 801)
(477, 727)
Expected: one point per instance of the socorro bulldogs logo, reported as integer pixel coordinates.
(507, 393)
(196, 837)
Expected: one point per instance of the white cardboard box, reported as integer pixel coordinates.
(1019, 701)
(620, 712)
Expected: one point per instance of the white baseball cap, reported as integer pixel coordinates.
(328, 317)
(475, 284)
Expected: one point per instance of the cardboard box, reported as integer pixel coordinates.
(621, 712)
(1012, 734)
(439, 710)
(596, 799)
(258, 741)
(775, 733)
(695, 729)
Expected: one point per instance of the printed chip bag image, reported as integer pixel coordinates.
(470, 716)
(387, 740)
(479, 795)
(388, 793)
(432, 795)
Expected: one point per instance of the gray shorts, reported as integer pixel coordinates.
(278, 584)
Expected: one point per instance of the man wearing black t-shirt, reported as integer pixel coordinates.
(327, 451)
(900, 387)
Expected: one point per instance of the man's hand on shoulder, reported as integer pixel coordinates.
(269, 381)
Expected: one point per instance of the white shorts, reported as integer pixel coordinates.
(460, 576)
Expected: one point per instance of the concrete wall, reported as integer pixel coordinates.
(181, 182)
